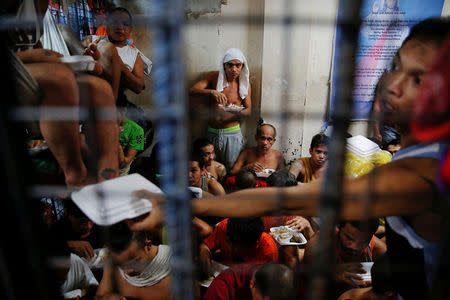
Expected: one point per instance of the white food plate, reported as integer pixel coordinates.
(216, 268)
(234, 108)
(265, 173)
(298, 234)
(361, 145)
(79, 63)
(111, 201)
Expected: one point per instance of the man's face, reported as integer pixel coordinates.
(132, 260)
(119, 26)
(82, 226)
(233, 69)
(319, 155)
(207, 154)
(403, 81)
(194, 173)
(352, 242)
(266, 139)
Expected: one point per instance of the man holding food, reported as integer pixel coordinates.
(261, 159)
(229, 91)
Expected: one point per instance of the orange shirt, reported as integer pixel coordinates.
(264, 251)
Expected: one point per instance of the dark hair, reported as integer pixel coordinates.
(199, 144)
(276, 281)
(430, 30)
(245, 179)
(258, 129)
(369, 226)
(246, 231)
(382, 275)
(196, 157)
(122, 10)
(120, 237)
(281, 178)
(319, 139)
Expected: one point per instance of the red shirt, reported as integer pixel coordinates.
(264, 251)
(232, 283)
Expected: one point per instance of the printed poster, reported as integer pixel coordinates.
(384, 26)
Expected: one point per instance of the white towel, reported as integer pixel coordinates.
(244, 77)
(154, 272)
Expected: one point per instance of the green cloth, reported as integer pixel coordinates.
(132, 136)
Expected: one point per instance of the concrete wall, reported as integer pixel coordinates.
(209, 35)
(296, 71)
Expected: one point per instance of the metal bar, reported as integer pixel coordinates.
(332, 189)
(168, 91)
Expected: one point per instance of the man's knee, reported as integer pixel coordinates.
(98, 90)
(56, 79)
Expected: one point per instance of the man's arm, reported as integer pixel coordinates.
(390, 196)
(134, 80)
(215, 187)
(239, 162)
(201, 88)
(379, 247)
(129, 156)
(296, 168)
(280, 165)
(205, 260)
(39, 56)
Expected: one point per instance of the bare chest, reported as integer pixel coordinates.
(232, 93)
(269, 160)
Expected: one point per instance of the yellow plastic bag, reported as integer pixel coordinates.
(356, 165)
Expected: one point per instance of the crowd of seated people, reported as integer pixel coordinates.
(246, 191)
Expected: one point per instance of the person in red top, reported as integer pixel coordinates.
(270, 281)
(239, 241)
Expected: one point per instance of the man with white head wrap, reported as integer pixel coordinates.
(228, 86)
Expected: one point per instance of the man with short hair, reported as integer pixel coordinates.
(307, 169)
(228, 86)
(271, 281)
(262, 156)
(197, 180)
(239, 241)
(141, 270)
(214, 169)
(353, 243)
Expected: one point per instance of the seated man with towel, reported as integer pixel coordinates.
(229, 85)
(141, 270)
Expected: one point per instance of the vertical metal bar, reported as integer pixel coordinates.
(348, 21)
(169, 96)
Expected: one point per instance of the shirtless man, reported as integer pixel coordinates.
(141, 270)
(211, 168)
(229, 85)
(307, 169)
(197, 180)
(262, 156)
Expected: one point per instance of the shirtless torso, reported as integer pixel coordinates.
(221, 119)
(253, 159)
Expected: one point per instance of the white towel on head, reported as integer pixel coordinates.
(244, 77)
